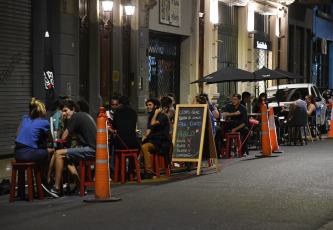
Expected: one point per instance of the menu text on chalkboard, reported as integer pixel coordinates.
(188, 132)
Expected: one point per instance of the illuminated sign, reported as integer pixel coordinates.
(263, 45)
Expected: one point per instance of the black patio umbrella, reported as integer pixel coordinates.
(227, 74)
(268, 74)
(291, 75)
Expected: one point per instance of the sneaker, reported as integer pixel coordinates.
(244, 155)
(46, 186)
(76, 191)
(53, 191)
(147, 175)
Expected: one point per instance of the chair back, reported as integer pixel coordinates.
(318, 115)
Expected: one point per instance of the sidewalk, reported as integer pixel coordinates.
(5, 167)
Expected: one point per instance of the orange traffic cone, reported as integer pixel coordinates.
(265, 142)
(330, 134)
(272, 132)
(102, 175)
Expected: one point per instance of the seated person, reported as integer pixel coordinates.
(212, 108)
(238, 114)
(202, 100)
(157, 136)
(215, 114)
(30, 133)
(246, 98)
(311, 110)
(85, 128)
(311, 105)
(124, 125)
(168, 109)
(256, 104)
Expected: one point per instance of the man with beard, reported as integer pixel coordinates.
(157, 136)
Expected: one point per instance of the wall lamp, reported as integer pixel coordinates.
(252, 32)
(129, 9)
(107, 5)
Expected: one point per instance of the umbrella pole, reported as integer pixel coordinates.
(277, 90)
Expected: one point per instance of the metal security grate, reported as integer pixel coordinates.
(164, 65)
(227, 54)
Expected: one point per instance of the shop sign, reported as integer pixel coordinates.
(263, 45)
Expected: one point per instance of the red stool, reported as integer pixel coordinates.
(86, 175)
(158, 162)
(31, 168)
(237, 143)
(123, 154)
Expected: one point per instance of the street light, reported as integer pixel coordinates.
(129, 9)
(107, 6)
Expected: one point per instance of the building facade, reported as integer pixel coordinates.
(160, 48)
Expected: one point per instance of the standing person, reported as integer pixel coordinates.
(238, 114)
(167, 108)
(85, 128)
(246, 98)
(157, 135)
(297, 115)
(32, 130)
(124, 125)
(114, 107)
(110, 113)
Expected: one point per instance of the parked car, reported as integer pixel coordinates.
(283, 96)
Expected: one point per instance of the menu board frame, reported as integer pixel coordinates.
(207, 143)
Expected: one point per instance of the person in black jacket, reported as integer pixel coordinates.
(157, 136)
(124, 124)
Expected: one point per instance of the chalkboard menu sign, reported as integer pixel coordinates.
(188, 132)
(193, 137)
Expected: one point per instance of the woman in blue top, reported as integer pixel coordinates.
(202, 100)
(32, 130)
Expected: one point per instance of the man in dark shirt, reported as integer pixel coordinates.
(238, 114)
(246, 97)
(124, 124)
(157, 136)
(83, 125)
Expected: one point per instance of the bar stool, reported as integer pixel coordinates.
(86, 175)
(31, 168)
(237, 143)
(159, 162)
(123, 154)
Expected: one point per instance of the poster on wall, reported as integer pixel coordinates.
(170, 12)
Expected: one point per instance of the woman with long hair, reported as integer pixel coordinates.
(33, 130)
(311, 105)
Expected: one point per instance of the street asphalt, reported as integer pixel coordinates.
(291, 190)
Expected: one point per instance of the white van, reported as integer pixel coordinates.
(283, 95)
